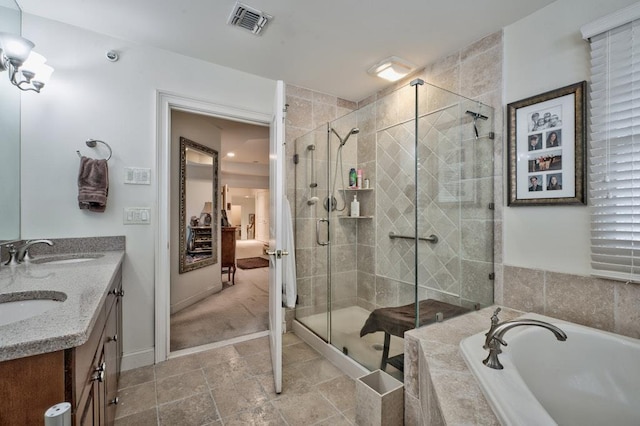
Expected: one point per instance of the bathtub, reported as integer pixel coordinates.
(593, 378)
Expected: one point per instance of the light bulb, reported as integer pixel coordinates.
(16, 48)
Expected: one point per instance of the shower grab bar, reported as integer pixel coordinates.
(322, 243)
(431, 238)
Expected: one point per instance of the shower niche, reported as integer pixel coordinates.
(422, 247)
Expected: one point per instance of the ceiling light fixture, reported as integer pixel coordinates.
(231, 154)
(392, 68)
(27, 69)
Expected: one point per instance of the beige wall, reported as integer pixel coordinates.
(546, 262)
(193, 286)
(545, 51)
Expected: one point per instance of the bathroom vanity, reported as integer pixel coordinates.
(70, 352)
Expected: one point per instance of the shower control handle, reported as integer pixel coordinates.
(325, 242)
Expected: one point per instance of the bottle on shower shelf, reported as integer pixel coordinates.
(359, 179)
(352, 178)
(355, 207)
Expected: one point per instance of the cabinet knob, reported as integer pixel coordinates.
(113, 339)
(98, 377)
(114, 401)
(99, 370)
(117, 292)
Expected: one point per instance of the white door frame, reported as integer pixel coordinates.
(166, 102)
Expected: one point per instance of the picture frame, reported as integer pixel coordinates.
(546, 144)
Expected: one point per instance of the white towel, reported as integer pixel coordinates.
(289, 288)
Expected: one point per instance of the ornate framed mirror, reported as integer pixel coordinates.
(198, 206)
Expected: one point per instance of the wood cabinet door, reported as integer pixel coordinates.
(91, 411)
(29, 386)
(111, 338)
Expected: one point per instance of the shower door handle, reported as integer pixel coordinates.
(277, 253)
(326, 242)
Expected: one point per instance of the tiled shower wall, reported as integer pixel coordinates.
(384, 272)
(455, 187)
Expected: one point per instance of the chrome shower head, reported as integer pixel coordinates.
(353, 131)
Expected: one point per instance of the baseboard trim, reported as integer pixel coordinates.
(347, 365)
(192, 300)
(138, 359)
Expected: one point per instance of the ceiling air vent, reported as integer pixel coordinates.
(248, 18)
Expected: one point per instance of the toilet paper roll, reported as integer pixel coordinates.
(58, 415)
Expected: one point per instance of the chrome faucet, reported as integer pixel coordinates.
(496, 333)
(23, 251)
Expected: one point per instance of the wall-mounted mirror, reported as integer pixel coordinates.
(198, 205)
(10, 21)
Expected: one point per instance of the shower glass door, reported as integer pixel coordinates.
(312, 231)
(345, 317)
(421, 248)
(455, 177)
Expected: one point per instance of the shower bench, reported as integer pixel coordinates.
(396, 320)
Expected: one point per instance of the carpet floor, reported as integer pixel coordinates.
(235, 311)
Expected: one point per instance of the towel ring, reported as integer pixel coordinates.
(91, 143)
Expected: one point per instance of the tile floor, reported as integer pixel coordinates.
(233, 385)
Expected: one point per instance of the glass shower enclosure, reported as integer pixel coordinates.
(421, 248)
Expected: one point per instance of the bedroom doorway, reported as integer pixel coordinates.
(239, 307)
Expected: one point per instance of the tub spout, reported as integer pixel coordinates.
(495, 338)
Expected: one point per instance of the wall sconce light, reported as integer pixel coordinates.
(27, 69)
(392, 68)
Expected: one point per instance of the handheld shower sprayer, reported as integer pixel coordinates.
(353, 131)
(331, 203)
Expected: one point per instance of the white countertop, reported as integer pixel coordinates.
(85, 284)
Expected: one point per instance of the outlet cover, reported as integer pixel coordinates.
(137, 216)
(137, 176)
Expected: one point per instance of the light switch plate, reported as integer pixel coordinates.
(137, 216)
(137, 176)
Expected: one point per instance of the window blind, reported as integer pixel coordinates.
(614, 153)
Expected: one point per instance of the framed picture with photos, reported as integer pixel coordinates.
(546, 148)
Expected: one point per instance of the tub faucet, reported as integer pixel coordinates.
(23, 251)
(495, 338)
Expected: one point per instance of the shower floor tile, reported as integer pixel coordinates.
(346, 325)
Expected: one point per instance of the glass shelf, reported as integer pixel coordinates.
(355, 217)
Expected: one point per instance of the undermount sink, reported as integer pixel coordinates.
(20, 306)
(65, 259)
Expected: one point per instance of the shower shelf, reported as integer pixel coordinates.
(358, 189)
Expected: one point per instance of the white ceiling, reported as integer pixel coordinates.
(321, 45)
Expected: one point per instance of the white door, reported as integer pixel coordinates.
(276, 192)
